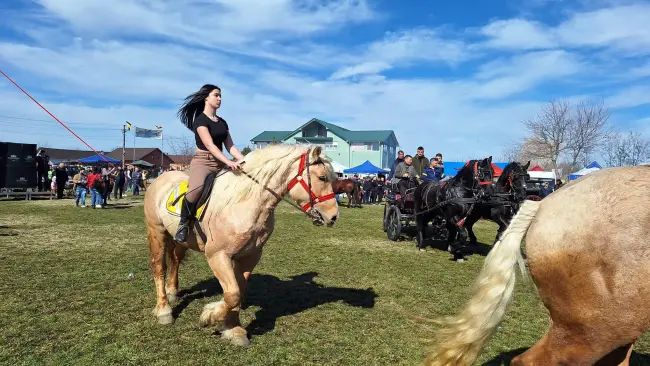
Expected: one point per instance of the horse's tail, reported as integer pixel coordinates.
(465, 334)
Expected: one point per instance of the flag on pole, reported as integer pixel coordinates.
(148, 134)
(128, 126)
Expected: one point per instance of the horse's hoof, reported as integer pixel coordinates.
(236, 336)
(422, 249)
(460, 260)
(166, 319)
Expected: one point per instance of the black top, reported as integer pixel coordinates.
(218, 131)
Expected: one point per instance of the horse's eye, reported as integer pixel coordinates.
(323, 178)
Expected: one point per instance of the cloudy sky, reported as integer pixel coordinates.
(454, 76)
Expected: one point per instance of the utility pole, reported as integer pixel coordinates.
(123, 144)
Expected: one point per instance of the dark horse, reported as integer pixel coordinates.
(351, 188)
(510, 191)
(460, 192)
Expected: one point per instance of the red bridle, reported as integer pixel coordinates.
(298, 179)
(476, 175)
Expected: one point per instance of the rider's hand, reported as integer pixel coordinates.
(234, 165)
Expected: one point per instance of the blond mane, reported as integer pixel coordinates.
(269, 167)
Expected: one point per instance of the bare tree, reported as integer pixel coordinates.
(631, 149)
(550, 132)
(183, 146)
(588, 132)
(511, 152)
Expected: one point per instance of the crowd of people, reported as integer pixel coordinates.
(100, 182)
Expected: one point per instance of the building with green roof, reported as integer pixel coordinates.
(350, 148)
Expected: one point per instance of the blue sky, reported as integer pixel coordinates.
(456, 77)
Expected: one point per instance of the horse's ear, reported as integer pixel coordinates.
(527, 165)
(315, 153)
(489, 159)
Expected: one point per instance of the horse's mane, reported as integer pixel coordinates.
(466, 171)
(504, 175)
(263, 168)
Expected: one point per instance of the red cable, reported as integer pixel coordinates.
(51, 115)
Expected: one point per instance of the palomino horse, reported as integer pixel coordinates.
(350, 188)
(237, 222)
(587, 247)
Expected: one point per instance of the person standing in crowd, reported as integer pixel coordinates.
(145, 176)
(120, 181)
(80, 180)
(42, 169)
(420, 162)
(367, 190)
(95, 184)
(61, 179)
(136, 177)
(381, 183)
(127, 182)
(435, 171)
(399, 159)
(106, 178)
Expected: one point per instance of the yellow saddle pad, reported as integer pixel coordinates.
(176, 209)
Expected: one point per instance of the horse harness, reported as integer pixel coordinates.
(308, 207)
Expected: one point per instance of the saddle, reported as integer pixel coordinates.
(177, 195)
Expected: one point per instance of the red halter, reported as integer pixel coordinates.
(298, 179)
(476, 174)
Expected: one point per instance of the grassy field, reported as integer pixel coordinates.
(321, 296)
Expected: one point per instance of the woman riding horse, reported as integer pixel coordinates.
(211, 133)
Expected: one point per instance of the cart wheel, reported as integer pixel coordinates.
(394, 227)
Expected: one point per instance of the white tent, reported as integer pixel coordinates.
(582, 172)
(338, 168)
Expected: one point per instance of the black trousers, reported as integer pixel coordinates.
(59, 190)
(41, 178)
(118, 189)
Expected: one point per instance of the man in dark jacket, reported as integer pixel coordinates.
(400, 158)
(420, 162)
(61, 179)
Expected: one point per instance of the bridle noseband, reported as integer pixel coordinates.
(308, 207)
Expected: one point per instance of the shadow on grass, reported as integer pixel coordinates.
(278, 298)
(637, 359)
(6, 234)
(119, 206)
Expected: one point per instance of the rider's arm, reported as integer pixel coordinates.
(204, 134)
(232, 149)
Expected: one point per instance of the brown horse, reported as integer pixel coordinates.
(587, 248)
(350, 188)
(237, 222)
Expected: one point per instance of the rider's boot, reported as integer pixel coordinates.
(187, 214)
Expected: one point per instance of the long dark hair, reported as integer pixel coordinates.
(194, 104)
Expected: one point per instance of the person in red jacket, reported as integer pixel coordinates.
(95, 185)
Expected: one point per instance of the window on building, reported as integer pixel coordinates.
(368, 146)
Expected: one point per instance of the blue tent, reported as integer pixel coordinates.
(98, 159)
(453, 167)
(594, 164)
(365, 168)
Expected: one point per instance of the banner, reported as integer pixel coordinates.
(148, 134)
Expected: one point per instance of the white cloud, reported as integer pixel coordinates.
(622, 27)
(518, 34)
(404, 49)
(630, 97)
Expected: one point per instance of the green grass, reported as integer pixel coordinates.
(320, 296)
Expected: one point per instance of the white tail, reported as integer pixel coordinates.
(464, 335)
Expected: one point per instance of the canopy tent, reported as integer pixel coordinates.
(594, 164)
(536, 168)
(582, 172)
(365, 168)
(97, 158)
(142, 163)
